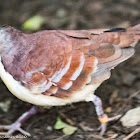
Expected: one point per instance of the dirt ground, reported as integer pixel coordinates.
(125, 80)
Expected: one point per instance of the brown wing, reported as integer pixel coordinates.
(47, 62)
(103, 50)
(72, 59)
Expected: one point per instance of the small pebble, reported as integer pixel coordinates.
(49, 128)
(4, 106)
(108, 109)
(131, 118)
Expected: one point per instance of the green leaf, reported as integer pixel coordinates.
(69, 130)
(66, 129)
(34, 23)
(59, 124)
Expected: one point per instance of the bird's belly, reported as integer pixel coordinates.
(21, 92)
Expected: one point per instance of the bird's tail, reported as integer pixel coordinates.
(135, 31)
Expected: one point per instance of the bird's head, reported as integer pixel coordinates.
(9, 39)
(5, 38)
(2, 38)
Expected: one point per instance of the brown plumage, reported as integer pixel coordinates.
(56, 65)
(37, 57)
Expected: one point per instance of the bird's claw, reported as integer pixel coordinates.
(17, 125)
(103, 126)
(114, 118)
(14, 127)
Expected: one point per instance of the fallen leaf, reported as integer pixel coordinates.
(34, 23)
(69, 130)
(66, 129)
(59, 124)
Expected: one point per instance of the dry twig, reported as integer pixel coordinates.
(132, 134)
(65, 117)
(133, 95)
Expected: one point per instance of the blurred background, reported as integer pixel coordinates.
(116, 93)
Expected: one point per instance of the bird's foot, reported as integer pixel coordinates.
(102, 117)
(104, 120)
(17, 125)
(14, 127)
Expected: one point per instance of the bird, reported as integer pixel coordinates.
(59, 67)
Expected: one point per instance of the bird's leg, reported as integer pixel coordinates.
(16, 126)
(102, 117)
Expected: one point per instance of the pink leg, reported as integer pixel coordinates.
(16, 126)
(103, 118)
